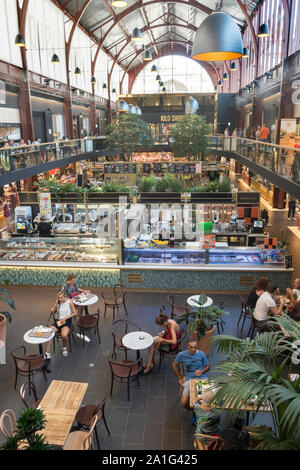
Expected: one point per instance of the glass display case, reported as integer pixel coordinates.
(98, 250)
(164, 255)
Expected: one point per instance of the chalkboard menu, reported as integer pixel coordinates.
(120, 168)
(182, 168)
(248, 198)
(157, 167)
(288, 261)
(28, 198)
(146, 168)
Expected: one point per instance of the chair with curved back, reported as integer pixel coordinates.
(178, 305)
(120, 293)
(124, 371)
(205, 442)
(110, 301)
(85, 414)
(169, 353)
(244, 312)
(57, 336)
(88, 322)
(119, 329)
(10, 417)
(28, 388)
(81, 440)
(27, 365)
(219, 322)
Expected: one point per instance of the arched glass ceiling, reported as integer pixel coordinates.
(179, 74)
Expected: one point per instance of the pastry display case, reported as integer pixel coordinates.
(91, 250)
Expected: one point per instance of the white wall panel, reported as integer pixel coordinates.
(8, 30)
(80, 56)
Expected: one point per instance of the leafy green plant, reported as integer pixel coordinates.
(113, 187)
(201, 319)
(147, 183)
(225, 185)
(190, 137)
(161, 185)
(7, 298)
(257, 372)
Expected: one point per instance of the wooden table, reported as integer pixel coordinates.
(248, 409)
(60, 405)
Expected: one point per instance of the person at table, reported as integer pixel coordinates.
(207, 417)
(259, 288)
(65, 312)
(71, 289)
(44, 228)
(166, 340)
(266, 307)
(194, 364)
(294, 294)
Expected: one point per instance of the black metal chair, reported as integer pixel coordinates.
(85, 414)
(245, 313)
(119, 329)
(88, 322)
(219, 322)
(125, 370)
(178, 305)
(27, 365)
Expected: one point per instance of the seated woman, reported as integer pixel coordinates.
(166, 340)
(70, 290)
(65, 312)
(207, 418)
(259, 288)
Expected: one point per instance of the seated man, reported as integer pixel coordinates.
(294, 294)
(207, 417)
(266, 307)
(194, 364)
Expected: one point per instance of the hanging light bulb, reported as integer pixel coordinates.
(263, 31)
(154, 69)
(77, 71)
(122, 106)
(218, 38)
(136, 34)
(93, 80)
(233, 66)
(55, 59)
(148, 55)
(225, 76)
(20, 41)
(119, 3)
(245, 52)
(191, 106)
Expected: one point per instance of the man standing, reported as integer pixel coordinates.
(195, 364)
(292, 208)
(265, 134)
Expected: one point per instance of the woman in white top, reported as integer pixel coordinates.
(266, 306)
(65, 312)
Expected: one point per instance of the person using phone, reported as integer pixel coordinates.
(65, 311)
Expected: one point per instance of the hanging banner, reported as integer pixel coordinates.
(45, 204)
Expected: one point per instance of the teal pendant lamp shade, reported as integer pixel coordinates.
(136, 34)
(225, 76)
(138, 110)
(122, 106)
(220, 83)
(191, 106)
(154, 69)
(132, 109)
(114, 91)
(245, 52)
(93, 80)
(158, 78)
(55, 59)
(77, 71)
(218, 39)
(148, 55)
(20, 41)
(263, 31)
(233, 66)
(104, 86)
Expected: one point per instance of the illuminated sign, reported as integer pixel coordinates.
(170, 117)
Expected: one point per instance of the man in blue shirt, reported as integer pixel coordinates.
(195, 364)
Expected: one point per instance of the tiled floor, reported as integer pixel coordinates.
(153, 418)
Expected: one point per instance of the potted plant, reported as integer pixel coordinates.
(25, 438)
(190, 137)
(202, 322)
(4, 317)
(258, 372)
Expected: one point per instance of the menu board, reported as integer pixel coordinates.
(146, 168)
(120, 168)
(157, 167)
(182, 168)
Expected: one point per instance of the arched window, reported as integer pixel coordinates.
(180, 75)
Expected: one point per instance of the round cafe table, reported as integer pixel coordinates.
(86, 303)
(39, 340)
(137, 340)
(195, 298)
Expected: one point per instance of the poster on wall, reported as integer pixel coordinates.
(45, 204)
(288, 131)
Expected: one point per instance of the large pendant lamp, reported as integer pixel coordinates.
(191, 106)
(136, 34)
(132, 109)
(20, 41)
(55, 59)
(263, 31)
(138, 110)
(122, 106)
(148, 55)
(154, 69)
(245, 52)
(218, 38)
(119, 3)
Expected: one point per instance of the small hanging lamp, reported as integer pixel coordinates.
(263, 31)
(245, 52)
(122, 106)
(138, 111)
(104, 86)
(93, 80)
(148, 55)
(55, 59)
(136, 34)
(220, 83)
(114, 91)
(158, 78)
(164, 89)
(154, 69)
(217, 39)
(132, 109)
(233, 66)
(191, 106)
(20, 41)
(225, 76)
(77, 71)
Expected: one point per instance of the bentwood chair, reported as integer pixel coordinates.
(27, 365)
(29, 389)
(244, 312)
(205, 442)
(119, 329)
(81, 440)
(8, 423)
(110, 300)
(85, 415)
(219, 322)
(124, 371)
(120, 294)
(88, 322)
(178, 305)
(166, 351)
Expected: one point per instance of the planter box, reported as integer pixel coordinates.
(67, 198)
(219, 198)
(153, 197)
(106, 197)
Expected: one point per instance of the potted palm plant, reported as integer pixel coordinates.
(201, 322)
(4, 317)
(258, 372)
